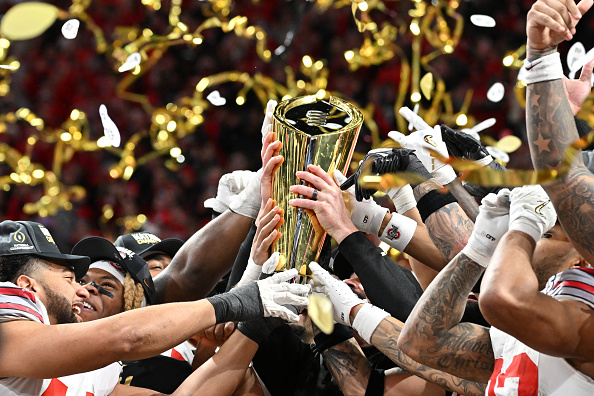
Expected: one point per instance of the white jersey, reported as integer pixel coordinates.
(20, 304)
(522, 371)
(183, 352)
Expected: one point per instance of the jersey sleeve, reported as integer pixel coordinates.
(573, 284)
(19, 304)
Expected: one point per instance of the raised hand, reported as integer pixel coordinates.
(531, 211)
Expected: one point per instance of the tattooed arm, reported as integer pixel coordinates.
(465, 200)
(449, 227)
(351, 369)
(551, 127)
(433, 334)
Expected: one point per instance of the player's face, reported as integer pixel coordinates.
(157, 263)
(106, 295)
(61, 294)
(553, 254)
(355, 284)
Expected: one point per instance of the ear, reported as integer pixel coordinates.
(27, 283)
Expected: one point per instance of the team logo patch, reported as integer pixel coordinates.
(117, 267)
(126, 254)
(19, 237)
(429, 139)
(393, 233)
(145, 237)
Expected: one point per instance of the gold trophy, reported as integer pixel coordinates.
(312, 131)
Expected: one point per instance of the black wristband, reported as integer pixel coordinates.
(432, 202)
(375, 385)
(325, 341)
(242, 303)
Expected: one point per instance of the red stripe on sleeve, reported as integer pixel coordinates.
(22, 308)
(577, 285)
(9, 291)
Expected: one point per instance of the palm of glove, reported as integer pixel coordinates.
(492, 221)
(383, 161)
(462, 145)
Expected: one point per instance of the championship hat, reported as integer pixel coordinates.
(145, 244)
(99, 249)
(28, 237)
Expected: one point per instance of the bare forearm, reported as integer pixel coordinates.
(222, 373)
(421, 246)
(349, 367)
(203, 259)
(384, 338)
(465, 200)
(126, 336)
(449, 227)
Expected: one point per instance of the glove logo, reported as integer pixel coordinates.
(539, 208)
(393, 233)
(428, 139)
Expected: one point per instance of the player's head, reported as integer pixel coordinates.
(157, 253)
(118, 280)
(554, 253)
(30, 259)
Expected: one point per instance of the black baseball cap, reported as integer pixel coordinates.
(28, 237)
(98, 248)
(145, 244)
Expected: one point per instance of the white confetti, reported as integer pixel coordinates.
(496, 92)
(498, 154)
(574, 54)
(110, 129)
(216, 99)
(482, 20)
(474, 131)
(7, 67)
(70, 28)
(132, 61)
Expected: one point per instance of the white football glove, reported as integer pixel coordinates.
(248, 202)
(267, 123)
(367, 215)
(342, 297)
(491, 224)
(531, 211)
(275, 291)
(403, 198)
(230, 185)
(425, 139)
(252, 270)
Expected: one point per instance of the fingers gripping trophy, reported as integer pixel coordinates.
(312, 131)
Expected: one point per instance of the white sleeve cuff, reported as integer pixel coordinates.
(367, 320)
(251, 273)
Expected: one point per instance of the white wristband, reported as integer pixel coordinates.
(445, 175)
(484, 161)
(251, 273)
(403, 198)
(545, 68)
(367, 320)
(399, 231)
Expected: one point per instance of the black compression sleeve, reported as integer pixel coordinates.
(387, 284)
(242, 258)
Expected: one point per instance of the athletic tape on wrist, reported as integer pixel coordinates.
(367, 320)
(546, 68)
(251, 273)
(445, 175)
(399, 231)
(403, 198)
(432, 202)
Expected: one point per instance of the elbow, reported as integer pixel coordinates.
(500, 307)
(409, 344)
(126, 342)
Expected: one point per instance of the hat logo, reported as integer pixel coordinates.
(19, 237)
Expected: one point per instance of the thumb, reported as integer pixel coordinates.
(586, 75)
(397, 137)
(319, 272)
(339, 178)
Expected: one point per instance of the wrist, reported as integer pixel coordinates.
(385, 222)
(340, 234)
(425, 187)
(533, 53)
